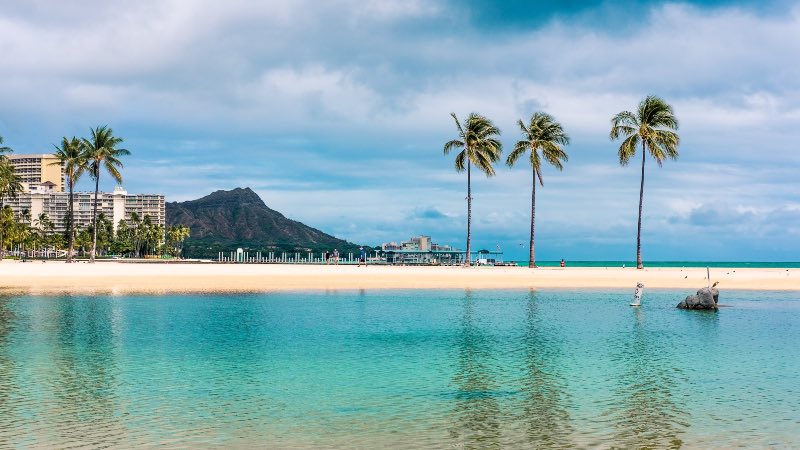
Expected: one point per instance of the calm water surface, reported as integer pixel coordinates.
(399, 369)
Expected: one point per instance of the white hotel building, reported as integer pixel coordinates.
(41, 195)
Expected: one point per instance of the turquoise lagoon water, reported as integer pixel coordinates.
(399, 369)
(654, 264)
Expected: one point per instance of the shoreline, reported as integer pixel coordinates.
(56, 277)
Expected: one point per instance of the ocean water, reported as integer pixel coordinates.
(399, 369)
(654, 264)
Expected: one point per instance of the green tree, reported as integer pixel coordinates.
(3, 149)
(103, 238)
(45, 227)
(480, 146)
(122, 244)
(101, 152)
(10, 186)
(175, 237)
(73, 159)
(83, 239)
(543, 134)
(654, 125)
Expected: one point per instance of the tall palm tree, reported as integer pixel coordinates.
(72, 159)
(10, 186)
(545, 134)
(477, 139)
(3, 149)
(101, 152)
(654, 125)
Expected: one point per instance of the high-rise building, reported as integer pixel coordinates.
(43, 192)
(116, 206)
(37, 169)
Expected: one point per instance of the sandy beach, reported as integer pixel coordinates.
(120, 277)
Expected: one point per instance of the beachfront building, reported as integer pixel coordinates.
(116, 206)
(420, 250)
(43, 192)
(38, 171)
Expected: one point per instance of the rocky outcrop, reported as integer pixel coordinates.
(706, 298)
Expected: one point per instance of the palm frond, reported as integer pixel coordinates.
(482, 161)
(536, 161)
(461, 161)
(458, 124)
(623, 124)
(627, 149)
(519, 149)
(454, 144)
(546, 134)
(554, 155)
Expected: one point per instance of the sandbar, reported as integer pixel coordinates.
(55, 277)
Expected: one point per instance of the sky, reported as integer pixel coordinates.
(335, 113)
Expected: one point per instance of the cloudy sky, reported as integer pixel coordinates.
(335, 112)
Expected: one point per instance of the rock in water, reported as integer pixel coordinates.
(706, 298)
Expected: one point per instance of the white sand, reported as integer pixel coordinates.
(118, 277)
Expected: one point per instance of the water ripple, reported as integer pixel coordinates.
(403, 369)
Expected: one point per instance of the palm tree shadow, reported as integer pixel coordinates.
(85, 373)
(546, 399)
(8, 364)
(476, 415)
(643, 413)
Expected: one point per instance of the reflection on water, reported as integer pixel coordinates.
(7, 368)
(546, 393)
(644, 411)
(83, 374)
(404, 369)
(476, 421)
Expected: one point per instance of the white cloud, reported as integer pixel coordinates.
(331, 109)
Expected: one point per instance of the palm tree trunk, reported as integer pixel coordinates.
(71, 224)
(467, 262)
(94, 218)
(532, 256)
(639, 264)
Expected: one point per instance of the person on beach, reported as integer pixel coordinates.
(335, 257)
(327, 257)
(362, 258)
(563, 263)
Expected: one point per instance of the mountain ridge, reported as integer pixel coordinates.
(226, 220)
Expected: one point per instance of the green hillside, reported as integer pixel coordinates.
(226, 220)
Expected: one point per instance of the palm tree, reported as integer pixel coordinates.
(545, 134)
(100, 151)
(3, 149)
(654, 125)
(71, 157)
(10, 185)
(477, 139)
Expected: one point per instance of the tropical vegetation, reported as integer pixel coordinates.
(40, 236)
(72, 159)
(654, 126)
(479, 144)
(10, 186)
(135, 237)
(541, 134)
(101, 153)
